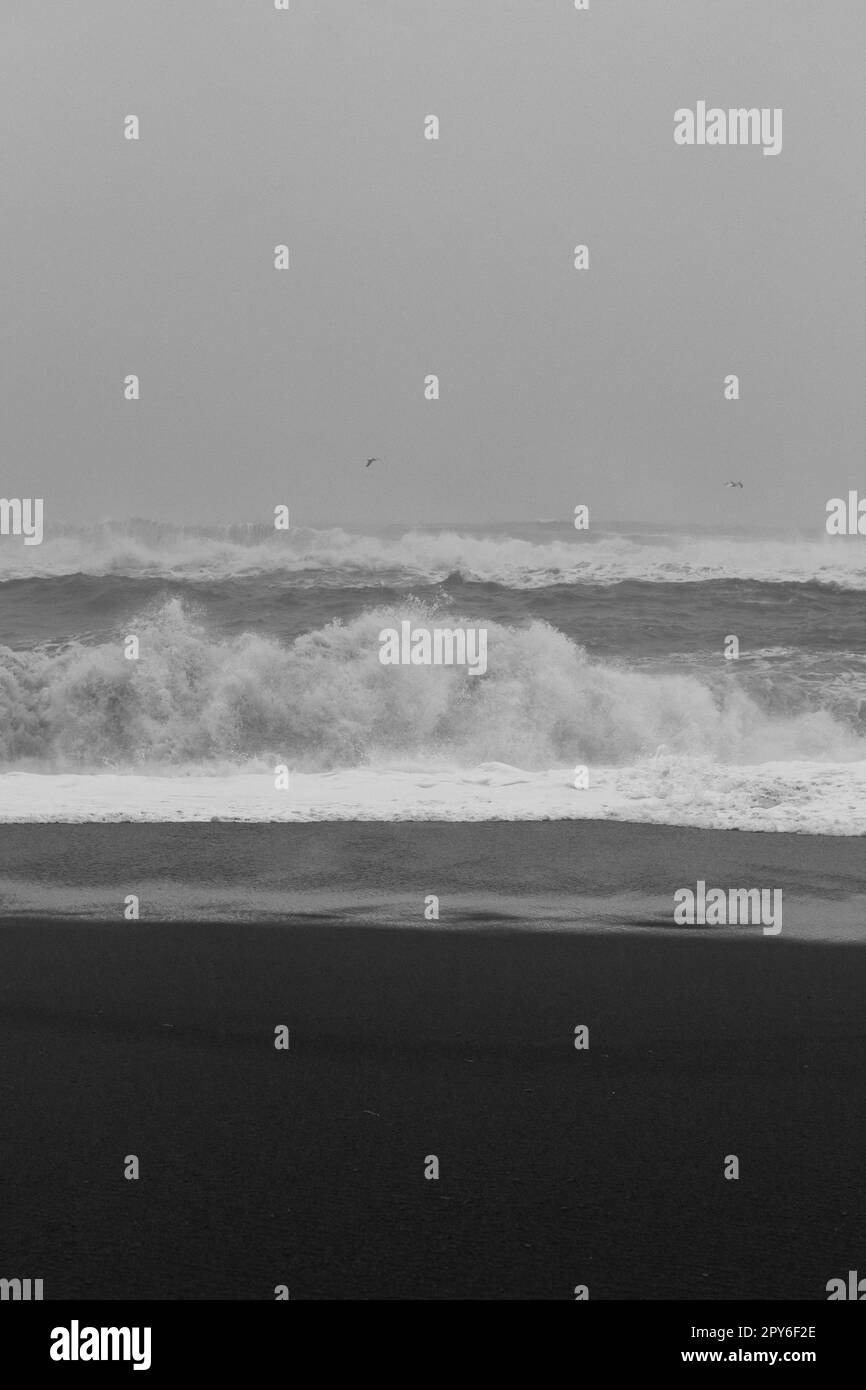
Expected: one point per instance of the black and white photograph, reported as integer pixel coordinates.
(433, 663)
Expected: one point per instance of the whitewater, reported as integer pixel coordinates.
(527, 555)
(257, 653)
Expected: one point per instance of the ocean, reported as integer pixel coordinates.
(260, 649)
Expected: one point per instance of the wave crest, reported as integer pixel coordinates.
(336, 558)
(325, 702)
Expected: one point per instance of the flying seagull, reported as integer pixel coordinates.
(733, 484)
(369, 461)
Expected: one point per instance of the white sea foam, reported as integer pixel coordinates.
(798, 797)
(334, 558)
(324, 702)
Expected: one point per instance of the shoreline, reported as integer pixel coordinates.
(772, 798)
(544, 876)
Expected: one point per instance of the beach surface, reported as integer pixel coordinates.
(409, 1038)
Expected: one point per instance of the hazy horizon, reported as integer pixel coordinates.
(411, 257)
(598, 526)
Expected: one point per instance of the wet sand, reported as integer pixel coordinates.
(558, 1166)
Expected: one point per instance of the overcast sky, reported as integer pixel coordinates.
(412, 257)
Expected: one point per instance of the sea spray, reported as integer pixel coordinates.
(331, 558)
(194, 699)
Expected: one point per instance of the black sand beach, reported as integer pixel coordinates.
(558, 1167)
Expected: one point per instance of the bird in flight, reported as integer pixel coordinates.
(733, 484)
(369, 461)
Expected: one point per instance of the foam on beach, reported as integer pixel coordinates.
(806, 798)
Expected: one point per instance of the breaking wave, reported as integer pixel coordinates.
(324, 701)
(336, 558)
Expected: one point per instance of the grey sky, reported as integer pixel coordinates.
(410, 257)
